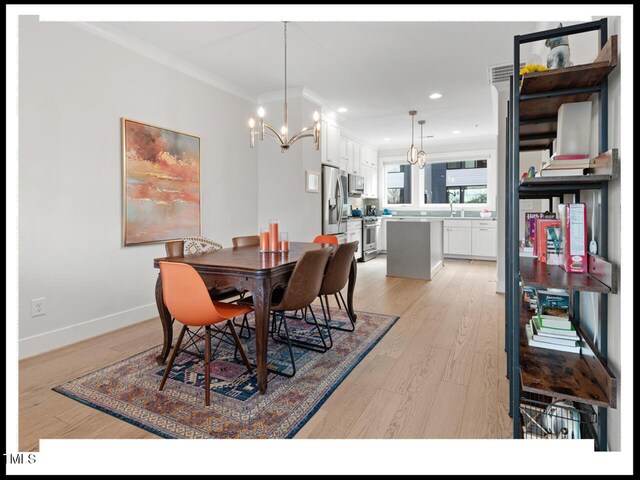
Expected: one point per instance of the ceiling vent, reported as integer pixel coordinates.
(501, 73)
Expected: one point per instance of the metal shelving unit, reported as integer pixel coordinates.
(532, 124)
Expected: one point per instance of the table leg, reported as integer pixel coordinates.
(165, 319)
(353, 272)
(261, 304)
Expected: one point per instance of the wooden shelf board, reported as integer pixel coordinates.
(539, 128)
(577, 76)
(565, 180)
(539, 274)
(565, 375)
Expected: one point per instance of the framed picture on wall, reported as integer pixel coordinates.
(313, 181)
(160, 184)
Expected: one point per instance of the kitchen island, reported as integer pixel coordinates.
(415, 248)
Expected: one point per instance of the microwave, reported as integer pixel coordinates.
(356, 184)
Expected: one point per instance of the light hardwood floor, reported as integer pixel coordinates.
(438, 373)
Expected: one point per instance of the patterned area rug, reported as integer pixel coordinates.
(128, 389)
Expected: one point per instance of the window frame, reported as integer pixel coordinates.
(396, 161)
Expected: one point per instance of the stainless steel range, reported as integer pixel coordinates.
(370, 235)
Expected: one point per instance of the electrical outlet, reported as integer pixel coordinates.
(423, 213)
(38, 307)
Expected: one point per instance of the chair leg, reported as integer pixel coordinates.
(326, 325)
(207, 365)
(239, 346)
(353, 325)
(337, 300)
(173, 357)
(293, 360)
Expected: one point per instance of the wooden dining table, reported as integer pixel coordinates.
(248, 270)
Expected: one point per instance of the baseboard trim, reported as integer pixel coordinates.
(44, 342)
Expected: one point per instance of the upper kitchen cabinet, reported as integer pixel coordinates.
(329, 143)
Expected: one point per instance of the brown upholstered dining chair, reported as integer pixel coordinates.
(302, 289)
(246, 241)
(335, 279)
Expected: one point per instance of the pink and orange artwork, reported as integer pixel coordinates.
(161, 176)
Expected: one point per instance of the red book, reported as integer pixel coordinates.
(573, 218)
(541, 237)
(568, 157)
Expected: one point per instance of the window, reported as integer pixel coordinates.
(398, 183)
(456, 182)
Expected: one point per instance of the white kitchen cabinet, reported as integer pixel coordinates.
(484, 242)
(370, 181)
(354, 234)
(356, 168)
(457, 241)
(484, 238)
(329, 143)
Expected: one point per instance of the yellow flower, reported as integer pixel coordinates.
(530, 68)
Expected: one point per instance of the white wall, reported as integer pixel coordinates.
(281, 175)
(74, 87)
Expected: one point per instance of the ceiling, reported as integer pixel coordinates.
(378, 70)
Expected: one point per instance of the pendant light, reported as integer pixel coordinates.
(412, 153)
(422, 156)
(282, 137)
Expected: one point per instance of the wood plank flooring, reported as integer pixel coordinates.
(438, 373)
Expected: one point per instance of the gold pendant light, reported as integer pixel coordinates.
(422, 156)
(282, 137)
(412, 153)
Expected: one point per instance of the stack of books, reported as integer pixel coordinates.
(552, 328)
(561, 165)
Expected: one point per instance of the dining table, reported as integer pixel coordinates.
(247, 269)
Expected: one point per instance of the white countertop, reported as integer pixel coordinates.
(425, 217)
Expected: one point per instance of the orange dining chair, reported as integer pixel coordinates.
(246, 241)
(187, 298)
(330, 239)
(194, 245)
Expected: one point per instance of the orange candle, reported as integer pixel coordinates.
(273, 235)
(284, 242)
(264, 239)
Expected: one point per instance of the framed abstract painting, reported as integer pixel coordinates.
(161, 184)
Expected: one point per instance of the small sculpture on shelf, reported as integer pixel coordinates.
(559, 55)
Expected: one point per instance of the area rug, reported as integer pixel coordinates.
(128, 389)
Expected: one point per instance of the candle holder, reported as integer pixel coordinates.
(284, 242)
(264, 239)
(274, 237)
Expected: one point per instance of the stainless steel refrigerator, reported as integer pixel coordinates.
(334, 202)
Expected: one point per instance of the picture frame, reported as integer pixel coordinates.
(160, 184)
(312, 182)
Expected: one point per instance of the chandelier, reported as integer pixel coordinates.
(422, 156)
(282, 137)
(412, 153)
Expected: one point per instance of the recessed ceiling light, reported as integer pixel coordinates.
(343, 110)
(435, 96)
(455, 132)
(386, 139)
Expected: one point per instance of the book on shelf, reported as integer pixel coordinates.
(577, 156)
(573, 225)
(553, 305)
(530, 226)
(547, 345)
(554, 332)
(530, 297)
(555, 339)
(562, 172)
(552, 236)
(543, 238)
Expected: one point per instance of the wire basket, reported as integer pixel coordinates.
(550, 418)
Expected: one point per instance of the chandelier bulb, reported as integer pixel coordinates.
(252, 123)
(316, 116)
(261, 112)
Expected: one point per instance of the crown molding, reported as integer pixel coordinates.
(159, 55)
